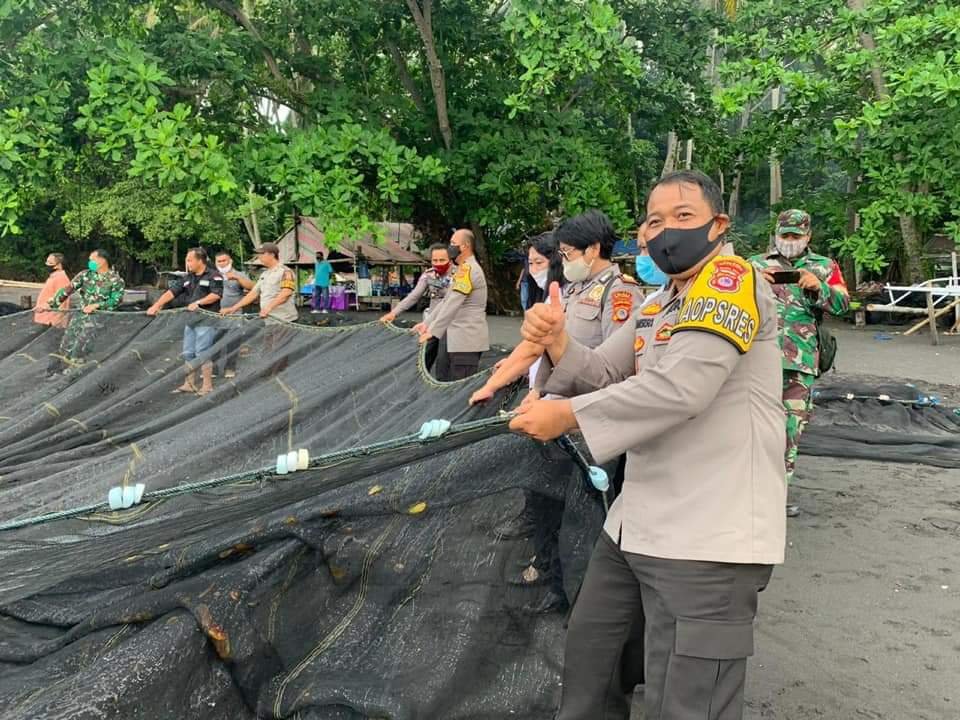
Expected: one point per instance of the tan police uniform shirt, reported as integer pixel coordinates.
(598, 306)
(431, 284)
(462, 315)
(691, 392)
(594, 312)
(270, 284)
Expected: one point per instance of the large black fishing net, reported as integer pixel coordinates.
(378, 583)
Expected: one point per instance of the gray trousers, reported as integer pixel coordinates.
(697, 632)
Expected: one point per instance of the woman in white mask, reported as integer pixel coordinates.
(597, 298)
(546, 266)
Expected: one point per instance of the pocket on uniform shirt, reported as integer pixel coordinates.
(587, 312)
(714, 639)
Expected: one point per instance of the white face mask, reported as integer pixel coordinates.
(577, 270)
(540, 278)
(225, 269)
(791, 248)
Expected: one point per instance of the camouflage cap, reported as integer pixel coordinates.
(796, 222)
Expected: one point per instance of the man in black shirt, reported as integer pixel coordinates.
(201, 287)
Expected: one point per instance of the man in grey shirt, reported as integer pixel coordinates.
(235, 285)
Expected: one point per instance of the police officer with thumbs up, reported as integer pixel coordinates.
(691, 392)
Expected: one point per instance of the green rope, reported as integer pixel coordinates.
(266, 473)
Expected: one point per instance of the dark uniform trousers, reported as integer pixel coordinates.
(455, 366)
(430, 353)
(698, 633)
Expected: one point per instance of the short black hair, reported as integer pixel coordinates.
(582, 231)
(224, 253)
(711, 191)
(438, 246)
(102, 254)
(199, 253)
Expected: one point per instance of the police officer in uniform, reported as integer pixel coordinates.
(691, 392)
(433, 283)
(598, 297)
(460, 320)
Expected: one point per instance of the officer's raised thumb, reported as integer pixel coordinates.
(555, 294)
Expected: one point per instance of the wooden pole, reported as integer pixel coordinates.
(932, 316)
(939, 313)
(296, 254)
(956, 281)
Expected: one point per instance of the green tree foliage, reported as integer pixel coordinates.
(448, 112)
(870, 88)
(152, 125)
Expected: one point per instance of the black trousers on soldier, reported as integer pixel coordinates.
(455, 366)
(698, 619)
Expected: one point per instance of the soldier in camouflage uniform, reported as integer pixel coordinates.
(820, 287)
(99, 287)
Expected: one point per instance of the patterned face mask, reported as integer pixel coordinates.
(791, 248)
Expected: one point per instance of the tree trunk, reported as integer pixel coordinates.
(633, 176)
(480, 246)
(254, 228)
(912, 237)
(776, 179)
(423, 18)
(403, 71)
(733, 204)
(913, 248)
(240, 18)
(673, 149)
(850, 270)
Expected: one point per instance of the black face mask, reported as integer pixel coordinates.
(454, 252)
(676, 250)
(51, 268)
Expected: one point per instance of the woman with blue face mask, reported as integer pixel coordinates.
(647, 270)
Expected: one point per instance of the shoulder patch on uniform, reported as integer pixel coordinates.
(462, 282)
(622, 305)
(288, 281)
(723, 301)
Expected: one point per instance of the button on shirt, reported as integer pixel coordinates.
(193, 288)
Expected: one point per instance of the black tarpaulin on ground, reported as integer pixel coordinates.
(893, 422)
(375, 584)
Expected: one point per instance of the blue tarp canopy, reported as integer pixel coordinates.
(626, 248)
